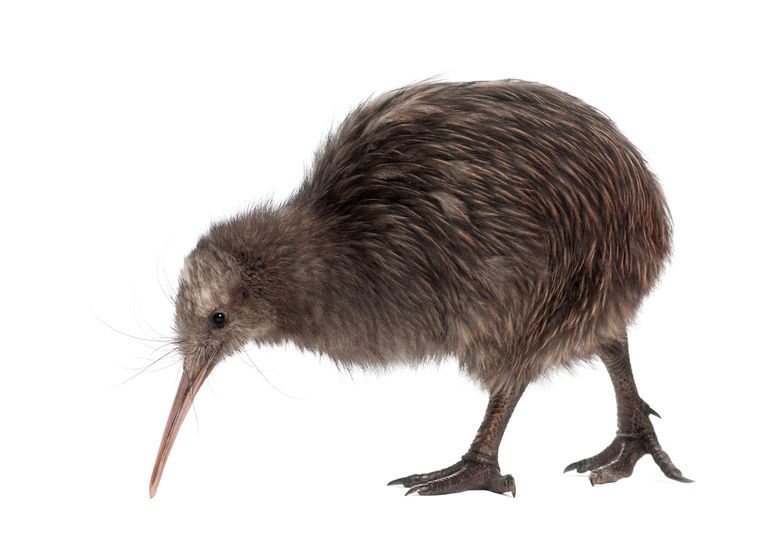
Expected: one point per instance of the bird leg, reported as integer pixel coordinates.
(478, 468)
(635, 433)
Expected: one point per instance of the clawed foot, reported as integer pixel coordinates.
(468, 474)
(619, 458)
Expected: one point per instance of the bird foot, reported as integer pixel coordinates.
(619, 458)
(471, 473)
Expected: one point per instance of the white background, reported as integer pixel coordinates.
(125, 128)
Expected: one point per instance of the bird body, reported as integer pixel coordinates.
(505, 224)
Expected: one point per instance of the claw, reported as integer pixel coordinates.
(418, 490)
(666, 464)
(596, 477)
(511, 485)
(650, 411)
(679, 477)
(570, 467)
(576, 466)
(397, 482)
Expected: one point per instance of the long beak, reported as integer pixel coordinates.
(189, 386)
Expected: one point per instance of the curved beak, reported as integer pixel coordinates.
(189, 386)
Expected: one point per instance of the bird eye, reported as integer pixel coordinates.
(218, 319)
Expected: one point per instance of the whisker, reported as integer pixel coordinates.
(165, 345)
(144, 339)
(155, 369)
(150, 365)
(271, 384)
(141, 320)
(162, 281)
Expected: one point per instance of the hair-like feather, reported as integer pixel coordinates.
(505, 223)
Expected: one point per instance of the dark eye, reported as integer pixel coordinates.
(218, 319)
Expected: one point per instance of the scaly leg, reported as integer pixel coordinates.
(635, 433)
(478, 468)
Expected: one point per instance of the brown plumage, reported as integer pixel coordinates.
(506, 224)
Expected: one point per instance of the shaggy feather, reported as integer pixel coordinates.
(505, 223)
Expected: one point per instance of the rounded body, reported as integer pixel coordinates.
(506, 223)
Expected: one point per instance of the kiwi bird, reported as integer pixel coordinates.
(504, 224)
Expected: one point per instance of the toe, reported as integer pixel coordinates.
(417, 479)
(504, 484)
(463, 476)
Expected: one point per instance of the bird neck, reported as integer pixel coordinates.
(287, 255)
